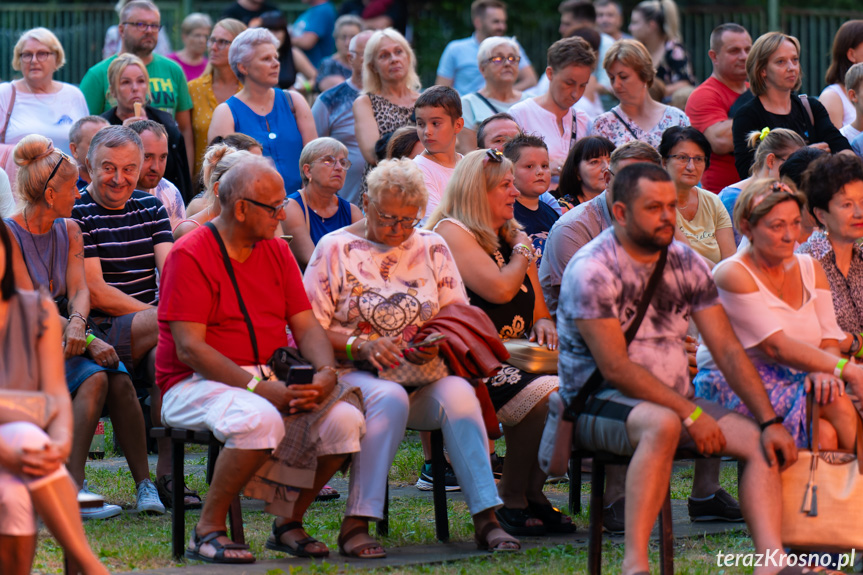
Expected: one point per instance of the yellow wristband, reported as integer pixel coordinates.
(693, 417)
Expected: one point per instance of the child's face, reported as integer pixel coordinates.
(532, 174)
(436, 129)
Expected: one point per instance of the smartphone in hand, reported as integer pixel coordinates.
(300, 374)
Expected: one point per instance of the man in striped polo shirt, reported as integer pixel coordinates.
(127, 236)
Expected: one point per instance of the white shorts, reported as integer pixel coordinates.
(17, 517)
(238, 418)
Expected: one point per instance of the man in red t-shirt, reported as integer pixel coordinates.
(710, 106)
(208, 372)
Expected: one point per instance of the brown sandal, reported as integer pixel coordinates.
(486, 542)
(349, 547)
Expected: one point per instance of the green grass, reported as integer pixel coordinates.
(132, 542)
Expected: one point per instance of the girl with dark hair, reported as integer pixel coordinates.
(585, 173)
(847, 51)
(291, 60)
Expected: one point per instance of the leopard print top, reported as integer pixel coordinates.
(389, 117)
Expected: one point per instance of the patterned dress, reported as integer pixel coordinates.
(620, 128)
(389, 117)
(513, 392)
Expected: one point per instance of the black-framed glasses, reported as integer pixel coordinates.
(144, 26)
(390, 221)
(500, 60)
(684, 159)
(40, 56)
(53, 172)
(222, 44)
(331, 161)
(273, 210)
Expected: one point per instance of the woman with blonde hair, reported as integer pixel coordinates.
(638, 116)
(38, 104)
(496, 260)
(656, 24)
(219, 159)
(775, 76)
(772, 148)
(215, 85)
(390, 89)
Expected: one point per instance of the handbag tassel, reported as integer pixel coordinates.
(813, 512)
(810, 496)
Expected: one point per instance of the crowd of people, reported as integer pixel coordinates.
(188, 214)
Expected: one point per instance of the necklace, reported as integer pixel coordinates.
(781, 286)
(49, 267)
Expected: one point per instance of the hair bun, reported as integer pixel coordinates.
(32, 148)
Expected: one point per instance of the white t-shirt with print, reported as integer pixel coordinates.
(436, 178)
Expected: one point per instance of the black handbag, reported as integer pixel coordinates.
(556, 443)
(286, 363)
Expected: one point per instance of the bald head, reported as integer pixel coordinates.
(244, 179)
(355, 54)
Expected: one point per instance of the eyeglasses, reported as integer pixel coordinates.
(273, 210)
(697, 160)
(330, 161)
(54, 171)
(391, 221)
(222, 44)
(144, 26)
(40, 56)
(501, 60)
(610, 171)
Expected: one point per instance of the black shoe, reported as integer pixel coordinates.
(496, 466)
(721, 507)
(514, 521)
(426, 482)
(613, 517)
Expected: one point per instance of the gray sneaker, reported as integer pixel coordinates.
(99, 511)
(148, 499)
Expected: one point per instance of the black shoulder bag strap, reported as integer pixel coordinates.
(487, 103)
(233, 277)
(576, 406)
(625, 123)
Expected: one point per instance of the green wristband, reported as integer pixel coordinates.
(840, 367)
(859, 353)
(90, 338)
(693, 417)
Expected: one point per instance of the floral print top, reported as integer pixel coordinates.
(620, 128)
(675, 65)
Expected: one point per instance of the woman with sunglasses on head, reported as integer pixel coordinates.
(215, 85)
(497, 262)
(373, 285)
(775, 76)
(780, 306)
(701, 217)
(53, 251)
(317, 210)
(498, 59)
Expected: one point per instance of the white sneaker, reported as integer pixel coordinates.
(103, 511)
(148, 499)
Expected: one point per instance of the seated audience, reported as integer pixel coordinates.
(701, 217)
(350, 271)
(130, 84)
(834, 197)
(772, 149)
(195, 32)
(33, 479)
(127, 235)
(494, 257)
(776, 103)
(215, 85)
(780, 306)
(80, 134)
(334, 117)
(210, 361)
(638, 116)
(585, 172)
(155, 140)
(317, 209)
(219, 159)
(438, 113)
(498, 60)
(335, 69)
(847, 50)
(570, 64)
(235, 140)
(531, 177)
(285, 125)
(53, 252)
(585, 221)
(646, 409)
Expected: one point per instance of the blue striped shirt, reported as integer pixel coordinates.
(124, 241)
